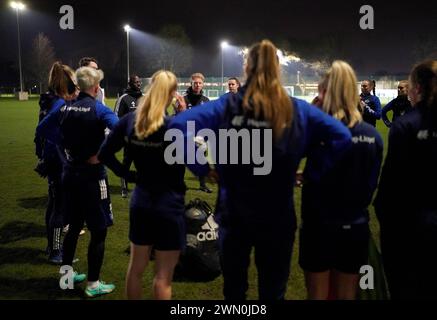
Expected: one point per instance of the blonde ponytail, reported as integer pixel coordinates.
(341, 99)
(151, 112)
(265, 95)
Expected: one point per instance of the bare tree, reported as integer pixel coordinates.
(174, 52)
(40, 60)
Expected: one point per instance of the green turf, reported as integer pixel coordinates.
(24, 271)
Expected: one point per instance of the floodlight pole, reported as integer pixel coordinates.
(223, 45)
(128, 68)
(221, 87)
(19, 49)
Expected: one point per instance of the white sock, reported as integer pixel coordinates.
(93, 284)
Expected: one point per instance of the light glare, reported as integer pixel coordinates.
(18, 5)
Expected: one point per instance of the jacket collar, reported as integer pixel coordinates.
(83, 95)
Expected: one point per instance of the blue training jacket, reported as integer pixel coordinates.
(44, 148)
(372, 109)
(400, 105)
(342, 195)
(79, 128)
(264, 198)
(406, 192)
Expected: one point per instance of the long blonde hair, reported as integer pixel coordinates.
(265, 94)
(150, 114)
(341, 99)
(62, 80)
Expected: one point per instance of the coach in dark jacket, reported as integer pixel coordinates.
(194, 94)
(125, 104)
(129, 100)
(194, 97)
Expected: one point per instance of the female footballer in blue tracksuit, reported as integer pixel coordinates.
(61, 86)
(370, 104)
(257, 211)
(334, 237)
(157, 204)
(406, 204)
(80, 130)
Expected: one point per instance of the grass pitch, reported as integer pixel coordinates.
(24, 270)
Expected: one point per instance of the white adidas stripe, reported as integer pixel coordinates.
(103, 190)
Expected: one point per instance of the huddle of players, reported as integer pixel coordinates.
(344, 155)
(71, 128)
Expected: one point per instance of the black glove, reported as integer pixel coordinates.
(42, 168)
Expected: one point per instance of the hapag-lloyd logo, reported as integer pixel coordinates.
(232, 146)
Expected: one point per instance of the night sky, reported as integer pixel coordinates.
(389, 48)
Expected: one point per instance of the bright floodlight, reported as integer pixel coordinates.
(224, 44)
(18, 5)
(127, 28)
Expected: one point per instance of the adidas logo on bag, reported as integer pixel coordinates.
(212, 233)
